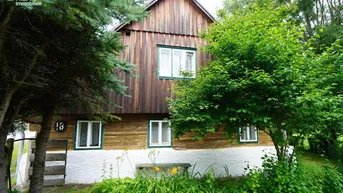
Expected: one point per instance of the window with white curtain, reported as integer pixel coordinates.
(88, 134)
(248, 134)
(159, 133)
(176, 62)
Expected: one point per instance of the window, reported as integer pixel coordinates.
(248, 134)
(159, 133)
(88, 134)
(173, 61)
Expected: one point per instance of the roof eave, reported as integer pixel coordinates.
(153, 2)
(204, 10)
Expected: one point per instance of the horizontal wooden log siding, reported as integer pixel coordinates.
(68, 134)
(218, 140)
(132, 133)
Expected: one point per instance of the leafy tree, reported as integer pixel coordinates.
(322, 19)
(315, 14)
(67, 57)
(18, 57)
(235, 6)
(262, 75)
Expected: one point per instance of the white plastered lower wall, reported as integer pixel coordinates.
(88, 166)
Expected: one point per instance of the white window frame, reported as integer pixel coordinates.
(171, 57)
(248, 134)
(89, 135)
(160, 49)
(160, 134)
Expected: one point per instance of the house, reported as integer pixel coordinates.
(163, 44)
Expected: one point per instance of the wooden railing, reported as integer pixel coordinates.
(56, 152)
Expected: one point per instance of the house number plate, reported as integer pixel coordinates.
(60, 126)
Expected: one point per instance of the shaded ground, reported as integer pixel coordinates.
(313, 158)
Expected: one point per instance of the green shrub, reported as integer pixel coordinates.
(333, 181)
(282, 177)
(275, 178)
(14, 191)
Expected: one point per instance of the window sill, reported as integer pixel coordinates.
(175, 78)
(159, 146)
(248, 141)
(87, 148)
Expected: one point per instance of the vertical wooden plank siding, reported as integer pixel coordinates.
(147, 91)
(153, 84)
(137, 62)
(142, 77)
(149, 74)
(170, 22)
(173, 16)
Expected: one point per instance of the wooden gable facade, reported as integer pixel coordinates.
(175, 23)
(170, 23)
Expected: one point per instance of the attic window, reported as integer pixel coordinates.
(176, 62)
(127, 32)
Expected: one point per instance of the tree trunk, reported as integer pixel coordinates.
(334, 135)
(280, 144)
(4, 28)
(295, 145)
(37, 178)
(5, 101)
(4, 105)
(4, 129)
(3, 161)
(308, 25)
(9, 149)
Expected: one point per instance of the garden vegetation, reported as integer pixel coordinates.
(303, 177)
